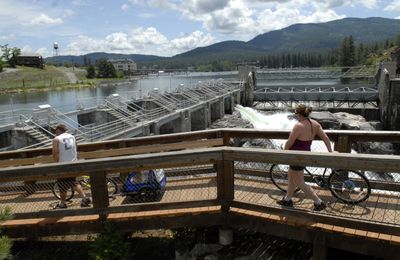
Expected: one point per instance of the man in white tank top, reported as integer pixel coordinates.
(64, 150)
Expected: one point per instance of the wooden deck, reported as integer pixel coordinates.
(222, 195)
(378, 208)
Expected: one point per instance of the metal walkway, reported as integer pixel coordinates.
(338, 94)
(362, 72)
(127, 115)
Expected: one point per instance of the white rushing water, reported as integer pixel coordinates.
(276, 121)
(281, 121)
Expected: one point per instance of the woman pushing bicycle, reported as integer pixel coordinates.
(300, 139)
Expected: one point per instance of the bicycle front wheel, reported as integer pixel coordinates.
(56, 191)
(279, 176)
(351, 187)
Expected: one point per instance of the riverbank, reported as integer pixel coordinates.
(28, 79)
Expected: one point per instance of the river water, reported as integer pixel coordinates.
(68, 99)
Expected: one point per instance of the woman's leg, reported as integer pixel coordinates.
(291, 184)
(298, 179)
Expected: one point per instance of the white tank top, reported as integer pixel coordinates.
(66, 147)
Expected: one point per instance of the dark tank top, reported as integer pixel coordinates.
(300, 145)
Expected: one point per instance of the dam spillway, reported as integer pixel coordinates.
(185, 109)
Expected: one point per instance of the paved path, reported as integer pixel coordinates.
(69, 73)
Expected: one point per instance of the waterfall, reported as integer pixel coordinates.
(276, 121)
(283, 121)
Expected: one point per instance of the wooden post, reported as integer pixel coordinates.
(225, 183)
(99, 190)
(226, 138)
(320, 250)
(343, 145)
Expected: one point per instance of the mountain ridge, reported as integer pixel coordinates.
(300, 37)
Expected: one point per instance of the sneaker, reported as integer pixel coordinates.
(85, 202)
(60, 206)
(286, 203)
(319, 207)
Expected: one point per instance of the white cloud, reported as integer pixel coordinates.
(44, 52)
(244, 19)
(125, 7)
(194, 40)
(162, 4)
(68, 13)
(393, 6)
(146, 15)
(26, 49)
(7, 37)
(141, 41)
(80, 2)
(204, 6)
(341, 3)
(43, 19)
(118, 42)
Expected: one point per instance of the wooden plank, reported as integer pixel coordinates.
(113, 164)
(119, 152)
(379, 163)
(26, 161)
(151, 148)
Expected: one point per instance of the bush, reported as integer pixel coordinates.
(5, 243)
(110, 244)
(90, 72)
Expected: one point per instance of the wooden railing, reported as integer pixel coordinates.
(103, 158)
(343, 140)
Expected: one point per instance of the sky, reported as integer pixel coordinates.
(162, 27)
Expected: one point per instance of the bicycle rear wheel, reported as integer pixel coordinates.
(56, 191)
(279, 176)
(351, 187)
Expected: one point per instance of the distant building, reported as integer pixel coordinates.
(30, 59)
(125, 65)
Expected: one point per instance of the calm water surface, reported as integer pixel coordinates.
(68, 99)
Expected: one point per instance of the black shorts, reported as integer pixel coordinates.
(66, 183)
(297, 167)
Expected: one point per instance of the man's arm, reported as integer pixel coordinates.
(55, 151)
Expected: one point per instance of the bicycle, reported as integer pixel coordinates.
(349, 186)
(85, 183)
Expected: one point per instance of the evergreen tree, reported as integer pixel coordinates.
(90, 72)
(397, 40)
(105, 69)
(5, 243)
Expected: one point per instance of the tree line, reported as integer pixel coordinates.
(348, 54)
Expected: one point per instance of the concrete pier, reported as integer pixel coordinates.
(184, 110)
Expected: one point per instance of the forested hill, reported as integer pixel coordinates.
(312, 37)
(308, 37)
(92, 57)
(328, 35)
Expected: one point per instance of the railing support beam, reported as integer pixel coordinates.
(99, 190)
(225, 183)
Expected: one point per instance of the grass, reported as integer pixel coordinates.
(26, 77)
(35, 79)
